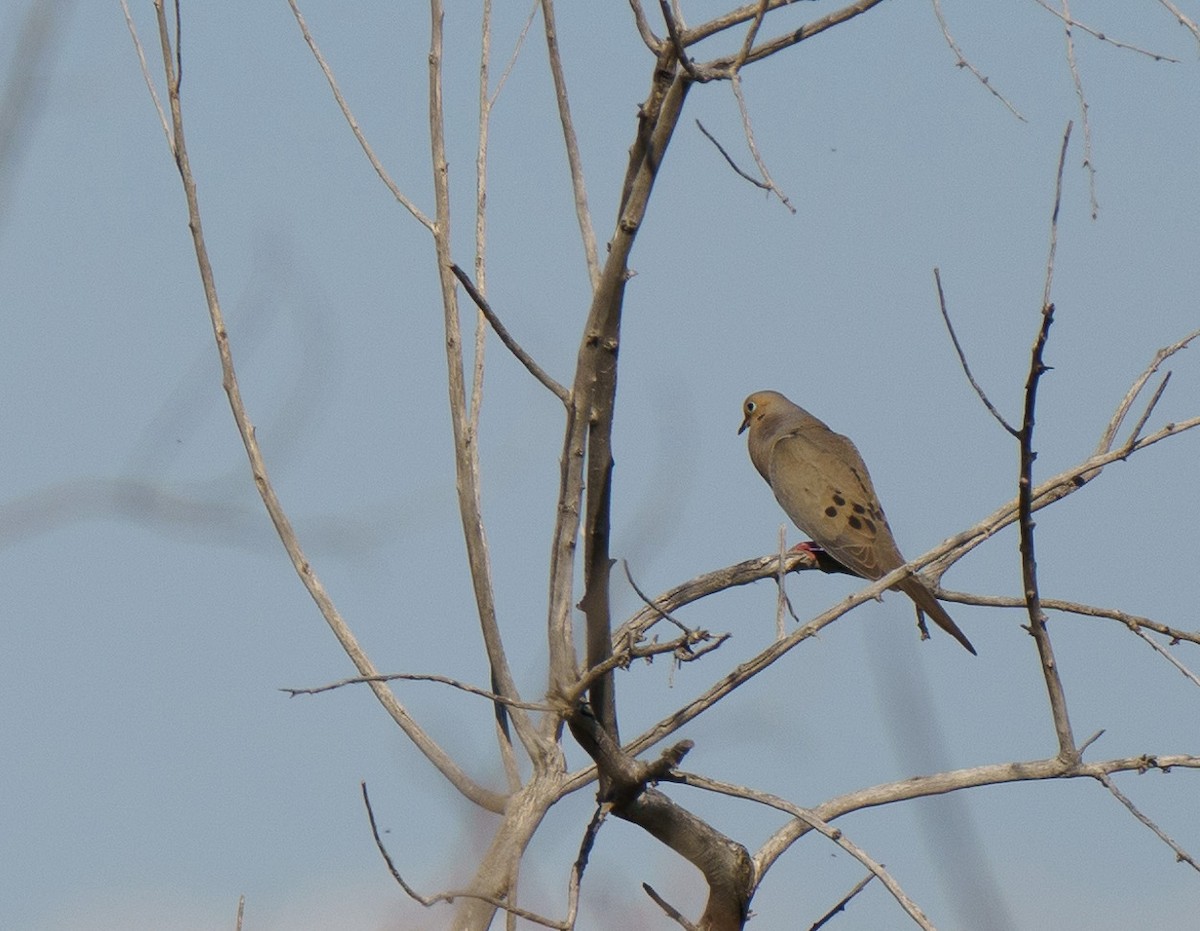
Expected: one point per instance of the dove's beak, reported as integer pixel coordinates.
(745, 424)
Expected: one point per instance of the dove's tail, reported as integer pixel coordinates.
(916, 590)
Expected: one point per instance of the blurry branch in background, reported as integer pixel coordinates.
(23, 84)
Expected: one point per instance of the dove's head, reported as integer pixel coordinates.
(764, 409)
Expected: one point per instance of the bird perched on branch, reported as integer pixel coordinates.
(822, 484)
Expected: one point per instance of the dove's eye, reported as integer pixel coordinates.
(750, 406)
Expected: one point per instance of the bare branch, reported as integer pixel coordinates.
(674, 32)
(962, 62)
(649, 603)
(671, 911)
(732, 164)
(953, 780)
(781, 598)
(1188, 24)
(1101, 36)
(1133, 621)
(1062, 161)
(1161, 651)
(451, 896)
(625, 783)
(841, 905)
(141, 54)
(1181, 855)
(817, 823)
(391, 185)
(421, 677)
(574, 160)
(779, 43)
(466, 451)
(516, 52)
(962, 358)
(748, 128)
(1083, 107)
(751, 35)
(653, 42)
(732, 18)
(581, 862)
(492, 801)
(1114, 424)
(1037, 617)
(505, 337)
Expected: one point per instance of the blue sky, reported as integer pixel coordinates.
(152, 771)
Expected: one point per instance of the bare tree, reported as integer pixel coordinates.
(580, 693)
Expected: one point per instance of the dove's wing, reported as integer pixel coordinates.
(820, 481)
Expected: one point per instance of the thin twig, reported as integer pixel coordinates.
(671, 911)
(1162, 651)
(1134, 622)
(1188, 24)
(1053, 249)
(599, 815)
(721, 66)
(732, 164)
(1102, 36)
(735, 80)
(815, 822)
(962, 358)
(583, 214)
(751, 35)
(429, 900)
(505, 337)
(673, 31)
(841, 906)
(1181, 855)
(391, 185)
(781, 598)
(962, 62)
(516, 52)
(1037, 617)
(137, 46)
(954, 780)
(649, 603)
(1135, 389)
(1083, 107)
(421, 677)
(653, 42)
(1154, 399)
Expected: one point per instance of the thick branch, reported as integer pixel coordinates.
(725, 864)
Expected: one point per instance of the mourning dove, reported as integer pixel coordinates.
(822, 484)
